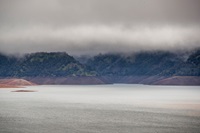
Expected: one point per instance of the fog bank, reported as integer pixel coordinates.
(94, 39)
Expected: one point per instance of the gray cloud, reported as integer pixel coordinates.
(62, 12)
(93, 26)
(93, 39)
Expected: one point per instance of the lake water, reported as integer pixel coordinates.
(101, 109)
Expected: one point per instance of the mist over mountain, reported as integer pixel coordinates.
(93, 39)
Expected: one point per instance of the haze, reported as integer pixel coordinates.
(98, 26)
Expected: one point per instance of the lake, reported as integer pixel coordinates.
(118, 108)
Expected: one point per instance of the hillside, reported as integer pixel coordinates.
(179, 80)
(57, 64)
(156, 67)
(146, 64)
(14, 83)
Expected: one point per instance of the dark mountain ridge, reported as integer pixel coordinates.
(143, 67)
(41, 64)
(146, 64)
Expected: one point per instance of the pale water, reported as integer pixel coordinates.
(101, 109)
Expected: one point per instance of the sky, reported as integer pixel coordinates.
(98, 26)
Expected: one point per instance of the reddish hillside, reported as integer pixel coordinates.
(13, 83)
(67, 80)
(179, 80)
(8, 86)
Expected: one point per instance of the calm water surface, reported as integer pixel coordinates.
(101, 109)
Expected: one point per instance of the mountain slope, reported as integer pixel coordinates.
(144, 68)
(42, 64)
(140, 64)
(14, 83)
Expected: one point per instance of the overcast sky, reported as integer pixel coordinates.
(94, 26)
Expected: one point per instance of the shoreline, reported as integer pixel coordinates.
(10, 82)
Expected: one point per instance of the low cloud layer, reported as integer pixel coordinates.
(98, 26)
(94, 39)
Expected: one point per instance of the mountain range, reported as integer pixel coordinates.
(155, 67)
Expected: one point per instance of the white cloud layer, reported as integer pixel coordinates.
(94, 39)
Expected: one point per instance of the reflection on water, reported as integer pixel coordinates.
(101, 108)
